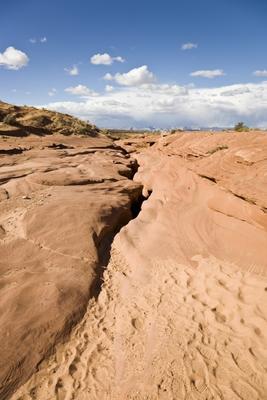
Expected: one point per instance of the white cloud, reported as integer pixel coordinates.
(189, 46)
(169, 106)
(119, 59)
(210, 74)
(13, 59)
(41, 40)
(108, 77)
(233, 91)
(105, 59)
(166, 89)
(109, 88)
(74, 70)
(52, 92)
(135, 77)
(81, 90)
(261, 73)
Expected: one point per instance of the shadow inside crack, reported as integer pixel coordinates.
(104, 241)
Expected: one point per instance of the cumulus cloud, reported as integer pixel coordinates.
(105, 59)
(43, 40)
(108, 77)
(210, 74)
(52, 92)
(170, 106)
(80, 90)
(135, 77)
(260, 73)
(74, 70)
(13, 59)
(189, 46)
(109, 88)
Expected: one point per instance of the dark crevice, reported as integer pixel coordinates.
(191, 156)
(137, 205)
(130, 169)
(103, 241)
(239, 196)
(12, 151)
(210, 178)
(134, 167)
(6, 180)
(59, 146)
(250, 201)
(121, 149)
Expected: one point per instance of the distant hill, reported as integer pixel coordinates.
(23, 121)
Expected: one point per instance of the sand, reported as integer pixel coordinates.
(182, 334)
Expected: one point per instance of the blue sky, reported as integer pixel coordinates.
(228, 41)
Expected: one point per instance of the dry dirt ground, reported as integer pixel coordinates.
(181, 313)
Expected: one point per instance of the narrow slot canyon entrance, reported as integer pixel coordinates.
(104, 243)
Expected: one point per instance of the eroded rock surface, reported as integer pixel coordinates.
(181, 313)
(209, 197)
(61, 202)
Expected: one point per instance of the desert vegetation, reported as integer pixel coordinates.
(241, 127)
(29, 120)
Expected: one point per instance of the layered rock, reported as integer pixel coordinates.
(209, 197)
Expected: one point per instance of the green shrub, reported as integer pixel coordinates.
(241, 127)
(212, 151)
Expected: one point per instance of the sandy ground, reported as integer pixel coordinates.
(182, 334)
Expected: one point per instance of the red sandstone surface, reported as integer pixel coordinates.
(167, 292)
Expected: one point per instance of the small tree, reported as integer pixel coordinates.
(241, 127)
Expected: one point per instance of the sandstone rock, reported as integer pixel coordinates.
(59, 212)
